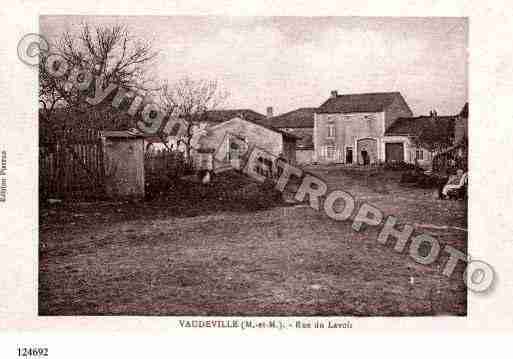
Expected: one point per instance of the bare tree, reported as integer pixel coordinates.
(50, 91)
(190, 100)
(109, 53)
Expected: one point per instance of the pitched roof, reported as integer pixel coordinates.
(259, 123)
(300, 118)
(218, 116)
(365, 102)
(430, 129)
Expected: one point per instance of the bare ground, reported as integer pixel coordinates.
(157, 259)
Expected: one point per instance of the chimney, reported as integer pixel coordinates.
(269, 112)
(334, 93)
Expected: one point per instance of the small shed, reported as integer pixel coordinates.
(124, 163)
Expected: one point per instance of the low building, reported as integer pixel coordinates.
(419, 139)
(351, 128)
(206, 119)
(233, 137)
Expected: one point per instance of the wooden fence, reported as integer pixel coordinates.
(71, 164)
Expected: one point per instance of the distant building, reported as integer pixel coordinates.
(300, 123)
(351, 128)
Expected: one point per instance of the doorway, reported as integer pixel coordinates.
(349, 155)
(365, 158)
(394, 152)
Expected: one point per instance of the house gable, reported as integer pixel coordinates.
(255, 134)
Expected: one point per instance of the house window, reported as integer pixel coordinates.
(264, 166)
(236, 146)
(331, 130)
(419, 154)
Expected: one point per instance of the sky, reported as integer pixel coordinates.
(293, 62)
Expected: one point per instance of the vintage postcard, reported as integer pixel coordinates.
(253, 167)
(253, 172)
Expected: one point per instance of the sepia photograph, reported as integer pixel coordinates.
(253, 166)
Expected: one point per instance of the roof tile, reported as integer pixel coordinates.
(366, 102)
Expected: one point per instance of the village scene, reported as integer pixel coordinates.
(141, 217)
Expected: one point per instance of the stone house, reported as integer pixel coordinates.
(229, 137)
(300, 123)
(351, 128)
(207, 119)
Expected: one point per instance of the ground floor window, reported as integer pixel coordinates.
(330, 151)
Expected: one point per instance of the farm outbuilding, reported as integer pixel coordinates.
(226, 137)
(124, 163)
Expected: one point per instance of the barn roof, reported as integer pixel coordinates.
(365, 102)
(434, 129)
(300, 118)
(218, 116)
(272, 128)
